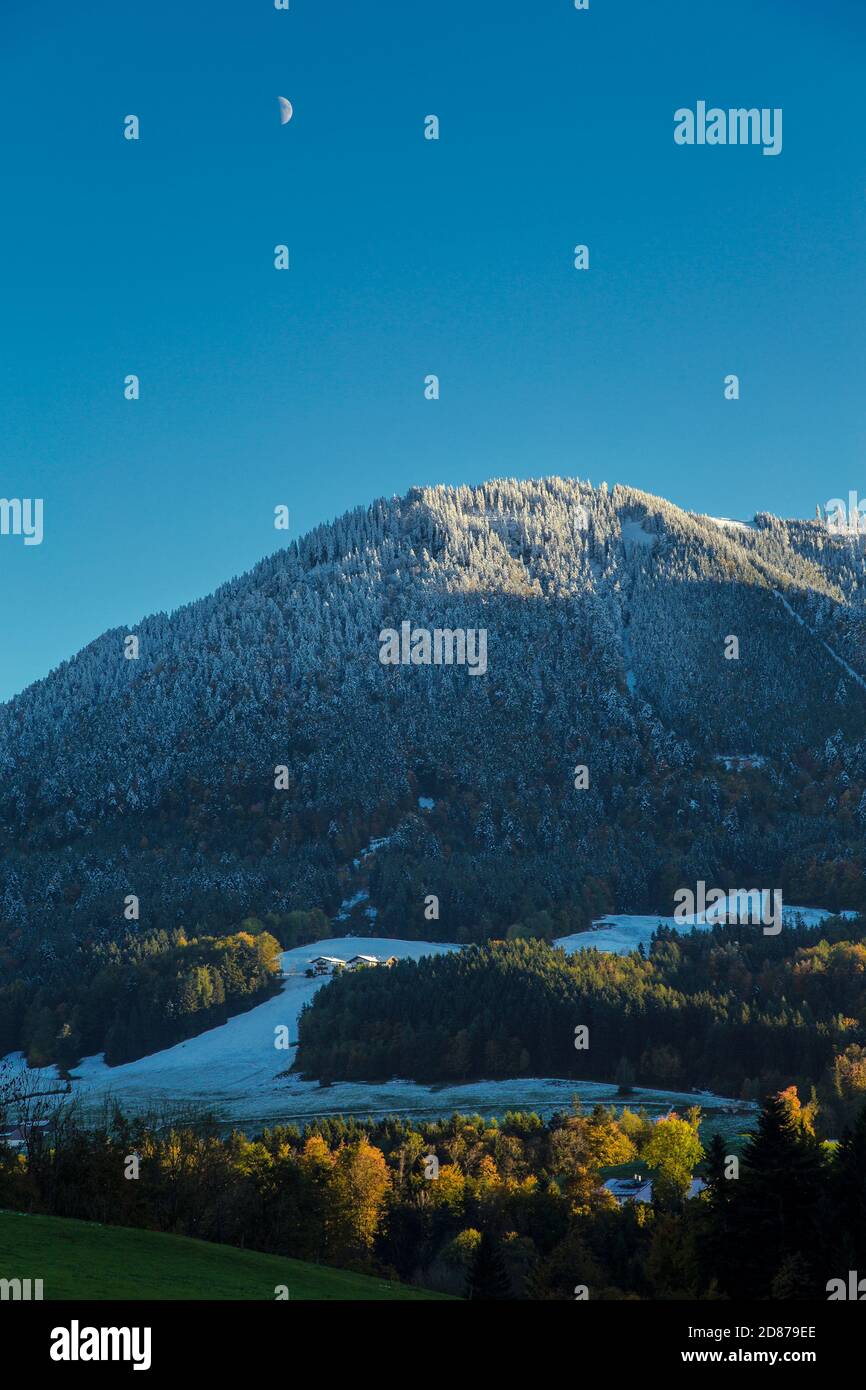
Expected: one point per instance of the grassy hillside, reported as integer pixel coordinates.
(81, 1260)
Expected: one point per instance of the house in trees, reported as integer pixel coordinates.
(640, 1190)
(636, 1189)
(325, 965)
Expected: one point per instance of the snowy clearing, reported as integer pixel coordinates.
(634, 533)
(234, 1070)
(737, 525)
(622, 932)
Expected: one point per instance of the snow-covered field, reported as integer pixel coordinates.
(234, 1070)
(626, 932)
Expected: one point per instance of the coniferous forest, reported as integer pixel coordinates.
(246, 762)
(726, 1009)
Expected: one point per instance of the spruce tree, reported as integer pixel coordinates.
(488, 1277)
(847, 1202)
(770, 1215)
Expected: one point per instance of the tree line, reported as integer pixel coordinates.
(148, 989)
(138, 995)
(487, 1209)
(728, 1009)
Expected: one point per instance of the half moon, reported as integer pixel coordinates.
(285, 110)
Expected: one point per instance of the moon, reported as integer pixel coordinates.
(285, 110)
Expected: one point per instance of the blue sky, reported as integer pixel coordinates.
(408, 257)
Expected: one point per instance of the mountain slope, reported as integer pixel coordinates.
(607, 614)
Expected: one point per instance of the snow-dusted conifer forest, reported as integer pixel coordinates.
(607, 615)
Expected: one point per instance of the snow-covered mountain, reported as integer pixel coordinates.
(608, 617)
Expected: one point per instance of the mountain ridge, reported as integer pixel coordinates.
(607, 613)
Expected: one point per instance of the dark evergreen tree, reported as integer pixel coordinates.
(715, 1163)
(488, 1277)
(846, 1217)
(768, 1227)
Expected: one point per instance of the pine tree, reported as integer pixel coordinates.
(772, 1209)
(847, 1199)
(716, 1161)
(488, 1277)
